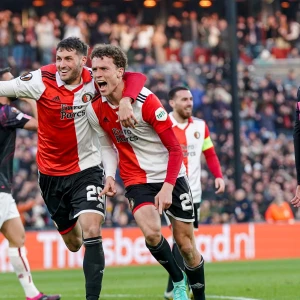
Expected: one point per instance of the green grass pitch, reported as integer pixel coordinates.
(250, 280)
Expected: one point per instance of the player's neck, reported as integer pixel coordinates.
(115, 97)
(179, 119)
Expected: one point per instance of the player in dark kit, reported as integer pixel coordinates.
(10, 223)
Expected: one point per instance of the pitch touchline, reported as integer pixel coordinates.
(144, 296)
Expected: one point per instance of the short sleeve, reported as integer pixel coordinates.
(29, 85)
(10, 117)
(154, 113)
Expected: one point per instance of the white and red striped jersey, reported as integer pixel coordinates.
(143, 157)
(64, 134)
(192, 141)
(66, 142)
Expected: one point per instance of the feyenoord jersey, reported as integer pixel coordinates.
(143, 157)
(10, 119)
(191, 140)
(66, 144)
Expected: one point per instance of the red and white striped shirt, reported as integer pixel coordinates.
(194, 140)
(143, 156)
(66, 142)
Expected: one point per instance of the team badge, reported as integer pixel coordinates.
(131, 203)
(161, 114)
(87, 97)
(26, 76)
(197, 135)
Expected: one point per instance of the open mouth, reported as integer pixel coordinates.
(102, 85)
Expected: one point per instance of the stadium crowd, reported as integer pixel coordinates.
(193, 52)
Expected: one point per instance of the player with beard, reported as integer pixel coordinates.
(68, 156)
(11, 225)
(194, 138)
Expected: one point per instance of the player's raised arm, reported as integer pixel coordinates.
(28, 85)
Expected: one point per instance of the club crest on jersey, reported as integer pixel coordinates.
(87, 97)
(197, 134)
(26, 76)
(161, 114)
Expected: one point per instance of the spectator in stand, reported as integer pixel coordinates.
(279, 210)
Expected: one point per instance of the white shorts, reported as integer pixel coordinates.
(8, 208)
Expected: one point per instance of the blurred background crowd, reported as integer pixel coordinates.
(189, 49)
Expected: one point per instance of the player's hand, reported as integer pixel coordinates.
(296, 200)
(126, 116)
(109, 188)
(219, 185)
(163, 199)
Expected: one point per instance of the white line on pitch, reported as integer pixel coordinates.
(142, 296)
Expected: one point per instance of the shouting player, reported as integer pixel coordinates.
(68, 157)
(150, 166)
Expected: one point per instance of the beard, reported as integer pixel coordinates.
(73, 76)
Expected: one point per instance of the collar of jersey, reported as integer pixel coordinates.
(190, 120)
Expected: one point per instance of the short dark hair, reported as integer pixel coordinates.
(3, 71)
(176, 89)
(116, 53)
(73, 43)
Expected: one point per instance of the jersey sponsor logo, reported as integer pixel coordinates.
(197, 134)
(71, 112)
(87, 97)
(26, 76)
(124, 136)
(161, 114)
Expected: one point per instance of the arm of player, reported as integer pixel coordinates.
(29, 85)
(17, 119)
(134, 82)
(110, 163)
(213, 162)
(163, 199)
(108, 153)
(296, 200)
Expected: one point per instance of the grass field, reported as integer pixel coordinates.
(251, 280)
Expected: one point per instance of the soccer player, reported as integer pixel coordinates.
(10, 222)
(151, 168)
(68, 158)
(194, 138)
(296, 200)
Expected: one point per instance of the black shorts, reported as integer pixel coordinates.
(182, 207)
(68, 196)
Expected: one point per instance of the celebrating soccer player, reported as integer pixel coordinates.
(68, 158)
(10, 222)
(194, 138)
(150, 166)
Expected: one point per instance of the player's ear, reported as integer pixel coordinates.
(171, 103)
(83, 61)
(121, 72)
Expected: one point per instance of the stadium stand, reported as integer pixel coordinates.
(188, 51)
